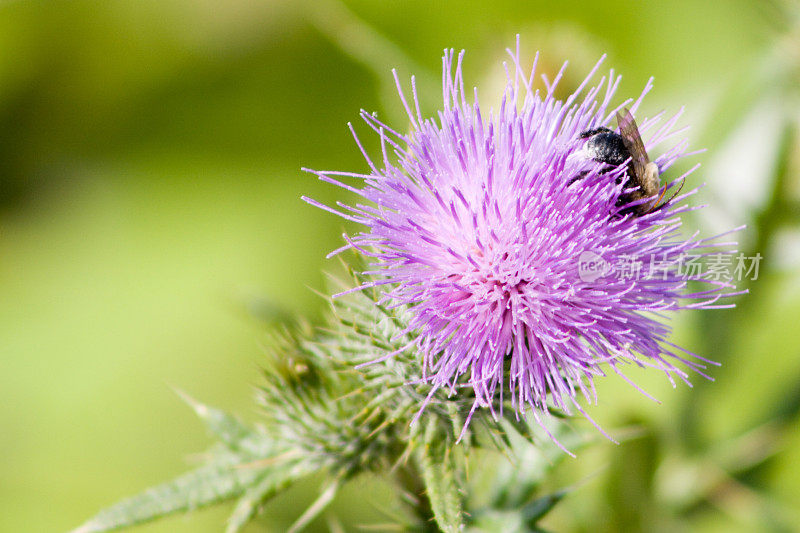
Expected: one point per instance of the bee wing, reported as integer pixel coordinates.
(633, 142)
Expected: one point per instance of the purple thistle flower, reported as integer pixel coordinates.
(515, 271)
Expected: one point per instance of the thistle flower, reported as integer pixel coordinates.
(510, 251)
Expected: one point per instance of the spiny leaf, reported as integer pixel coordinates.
(269, 484)
(229, 430)
(522, 519)
(436, 463)
(212, 483)
(496, 520)
(537, 509)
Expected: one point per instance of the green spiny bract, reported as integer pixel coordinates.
(317, 402)
(325, 409)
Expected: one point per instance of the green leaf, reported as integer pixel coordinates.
(517, 480)
(436, 462)
(537, 509)
(221, 480)
(522, 519)
(270, 484)
(496, 520)
(229, 430)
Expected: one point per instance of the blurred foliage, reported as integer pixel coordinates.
(149, 197)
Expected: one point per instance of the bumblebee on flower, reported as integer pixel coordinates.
(476, 222)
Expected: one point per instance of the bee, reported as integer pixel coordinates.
(614, 149)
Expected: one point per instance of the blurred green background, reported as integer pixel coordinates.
(149, 200)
